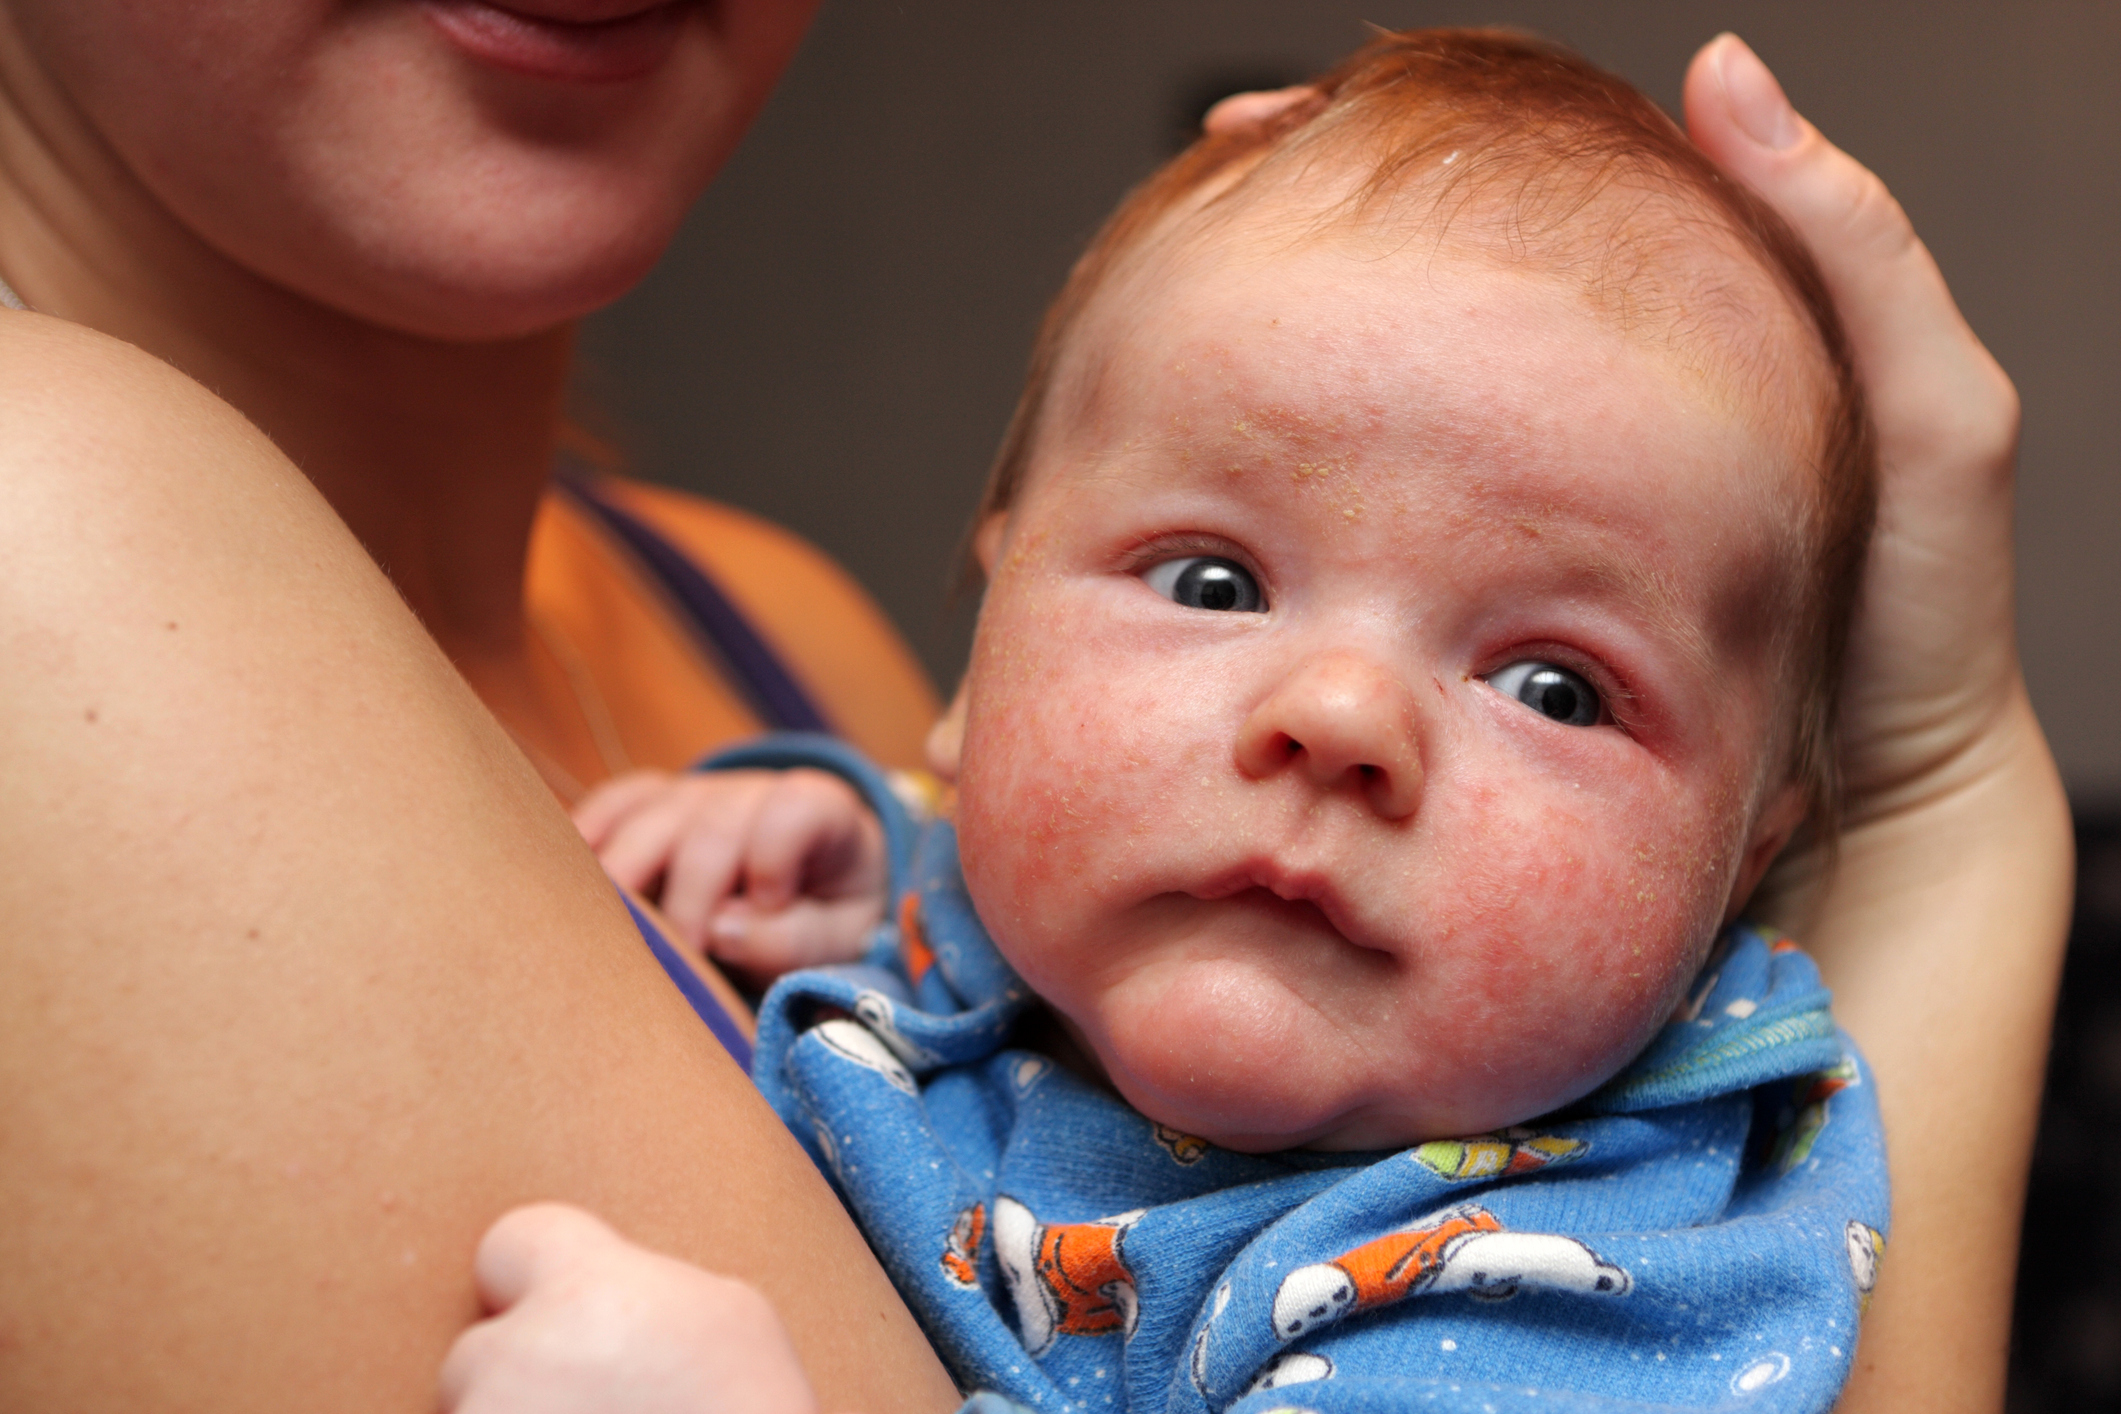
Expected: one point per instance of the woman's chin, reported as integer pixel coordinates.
(480, 291)
(472, 311)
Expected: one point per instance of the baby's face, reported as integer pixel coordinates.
(1374, 708)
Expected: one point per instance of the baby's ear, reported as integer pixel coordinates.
(946, 739)
(1784, 812)
(987, 545)
(1259, 108)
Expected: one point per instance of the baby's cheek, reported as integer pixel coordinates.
(1570, 932)
(1054, 765)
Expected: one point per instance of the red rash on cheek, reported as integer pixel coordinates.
(1036, 761)
(1546, 932)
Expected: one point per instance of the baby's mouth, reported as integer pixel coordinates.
(1309, 901)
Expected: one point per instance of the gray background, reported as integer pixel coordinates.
(836, 339)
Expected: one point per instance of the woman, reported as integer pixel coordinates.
(307, 979)
(318, 248)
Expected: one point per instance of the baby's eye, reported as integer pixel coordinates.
(1550, 691)
(1207, 582)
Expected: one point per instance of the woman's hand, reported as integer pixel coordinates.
(1942, 929)
(583, 1322)
(1933, 663)
(763, 871)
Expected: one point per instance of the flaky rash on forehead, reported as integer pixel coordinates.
(1451, 145)
(1153, 313)
(1649, 265)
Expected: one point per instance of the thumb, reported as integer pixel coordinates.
(1928, 379)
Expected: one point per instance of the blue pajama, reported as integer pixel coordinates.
(1701, 1232)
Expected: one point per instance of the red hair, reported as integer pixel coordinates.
(1562, 137)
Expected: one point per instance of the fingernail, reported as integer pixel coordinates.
(729, 928)
(1758, 103)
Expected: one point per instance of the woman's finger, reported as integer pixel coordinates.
(1251, 109)
(1931, 654)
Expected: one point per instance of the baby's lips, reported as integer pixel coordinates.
(1311, 886)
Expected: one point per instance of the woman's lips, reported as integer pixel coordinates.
(582, 41)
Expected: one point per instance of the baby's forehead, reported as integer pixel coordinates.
(1650, 258)
(1160, 320)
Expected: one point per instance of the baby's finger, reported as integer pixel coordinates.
(704, 871)
(813, 835)
(599, 812)
(638, 850)
(807, 933)
(1929, 379)
(532, 1244)
(462, 1371)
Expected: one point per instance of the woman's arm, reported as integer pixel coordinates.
(1942, 929)
(304, 977)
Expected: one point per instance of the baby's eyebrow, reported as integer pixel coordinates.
(1599, 564)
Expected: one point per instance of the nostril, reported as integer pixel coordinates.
(1292, 747)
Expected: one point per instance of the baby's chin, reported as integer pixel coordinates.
(1280, 1084)
(1262, 1118)
(1248, 1113)
(1226, 1052)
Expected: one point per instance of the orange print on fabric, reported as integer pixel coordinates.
(961, 1253)
(1080, 1264)
(913, 947)
(1390, 1267)
(1065, 1278)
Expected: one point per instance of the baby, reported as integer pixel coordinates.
(1417, 574)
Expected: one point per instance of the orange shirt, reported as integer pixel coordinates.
(645, 692)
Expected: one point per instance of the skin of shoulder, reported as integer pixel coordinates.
(64, 386)
(305, 978)
(833, 634)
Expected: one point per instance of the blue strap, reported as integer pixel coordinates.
(695, 991)
(750, 665)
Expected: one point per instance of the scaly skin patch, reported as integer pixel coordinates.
(1261, 946)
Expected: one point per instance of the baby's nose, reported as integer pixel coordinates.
(1345, 723)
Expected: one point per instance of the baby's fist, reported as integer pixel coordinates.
(584, 1321)
(762, 871)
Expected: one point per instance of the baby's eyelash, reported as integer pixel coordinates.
(1151, 549)
(1621, 703)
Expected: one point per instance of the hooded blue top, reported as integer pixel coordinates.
(1701, 1232)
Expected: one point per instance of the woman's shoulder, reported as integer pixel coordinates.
(831, 632)
(89, 415)
(62, 379)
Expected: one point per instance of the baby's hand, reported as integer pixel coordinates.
(764, 871)
(585, 1322)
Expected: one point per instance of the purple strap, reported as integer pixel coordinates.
(750, 666)
(695, 991)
